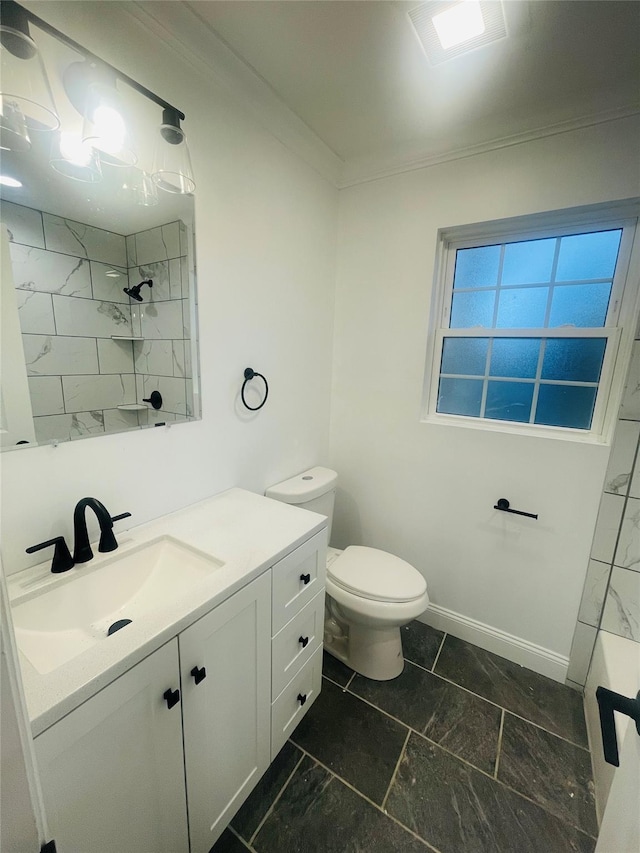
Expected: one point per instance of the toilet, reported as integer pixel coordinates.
(370, 594)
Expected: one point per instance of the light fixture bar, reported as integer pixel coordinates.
(52, 31)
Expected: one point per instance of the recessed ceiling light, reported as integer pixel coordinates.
(6, 181)
(459, 23)
(448, 28)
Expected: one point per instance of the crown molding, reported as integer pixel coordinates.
(355, 172)
(180, 27)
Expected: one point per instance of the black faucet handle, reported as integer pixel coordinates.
(121, 516)
(108, 541)
(62, 559)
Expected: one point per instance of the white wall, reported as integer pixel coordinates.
(427, 492)
(265, 244)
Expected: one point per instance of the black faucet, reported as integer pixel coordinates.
(82, 550)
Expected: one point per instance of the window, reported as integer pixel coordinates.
(530, 325)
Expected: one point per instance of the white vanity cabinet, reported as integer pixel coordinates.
(298, 630)
(161, 759)
(112, 770)
(226, 709)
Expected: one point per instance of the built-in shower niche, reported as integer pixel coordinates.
(92, 353)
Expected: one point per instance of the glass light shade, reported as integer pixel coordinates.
(139, 188)
(14, 134)
(106, 130)
(24, 84)
(74, 158)
(172, 169)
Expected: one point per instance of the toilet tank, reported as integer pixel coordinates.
(314, 489)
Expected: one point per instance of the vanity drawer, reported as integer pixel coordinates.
(297, 578)
(294, 701)
(296, 642)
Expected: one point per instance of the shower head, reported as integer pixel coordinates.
(134, 292)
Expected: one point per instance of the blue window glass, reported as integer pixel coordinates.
(515, 357)
(565, 406)
(585, 256)
(477, 267)
(472, 309)
(522, 308)
(528, 263)
(464, 355)
(573, 359)
(580, 305)
(460, 397)
(509, 401)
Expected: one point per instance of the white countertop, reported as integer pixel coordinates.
(247, 532)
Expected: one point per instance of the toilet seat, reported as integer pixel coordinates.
(376, 575)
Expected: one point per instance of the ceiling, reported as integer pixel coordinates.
(355, 74)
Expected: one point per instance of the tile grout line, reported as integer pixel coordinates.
(495, 770)
(508, 787)
(496, 705)
(247, 844)
(458, 758)
(435, 660)
(395, 771)
(272, 806)
(366, 799)
(348, 684)
(335, 683)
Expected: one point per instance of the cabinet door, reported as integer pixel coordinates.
(112, 770)
(227, 714)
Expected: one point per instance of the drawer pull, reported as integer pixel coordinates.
(304, 641)
(302, 698)
(199, 674)
(172, 697)
(305, 579)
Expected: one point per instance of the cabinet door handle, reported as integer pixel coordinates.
(172, 697)
(199, 674)
(305, 579)
(304, 641)
(302, 698)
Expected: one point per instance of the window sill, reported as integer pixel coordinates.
(514, 428)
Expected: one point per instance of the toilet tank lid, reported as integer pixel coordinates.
(305, 486)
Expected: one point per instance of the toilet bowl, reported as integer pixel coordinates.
(371, 594)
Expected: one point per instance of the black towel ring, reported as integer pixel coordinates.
(248, 375)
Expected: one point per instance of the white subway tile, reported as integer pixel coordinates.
(84, 241)
(24, 224)
(35, 312)
(47, 355)
(50, 272)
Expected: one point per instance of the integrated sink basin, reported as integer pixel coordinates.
(57, 624)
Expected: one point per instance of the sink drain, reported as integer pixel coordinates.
(117, 625)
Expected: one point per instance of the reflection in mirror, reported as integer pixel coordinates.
(98, 285)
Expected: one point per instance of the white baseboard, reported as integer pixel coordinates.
(499, 642)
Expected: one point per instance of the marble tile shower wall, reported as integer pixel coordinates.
(611, 595)
(69, 279)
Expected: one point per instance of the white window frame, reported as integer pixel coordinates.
(619, 329)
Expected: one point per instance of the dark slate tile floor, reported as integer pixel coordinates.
(464, 752)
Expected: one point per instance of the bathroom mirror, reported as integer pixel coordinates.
(80, 356)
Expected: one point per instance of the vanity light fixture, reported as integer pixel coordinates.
(449, 28)
(91, 86)
(172, 169)
(92, 89)
(74, 158)
(26, 99)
